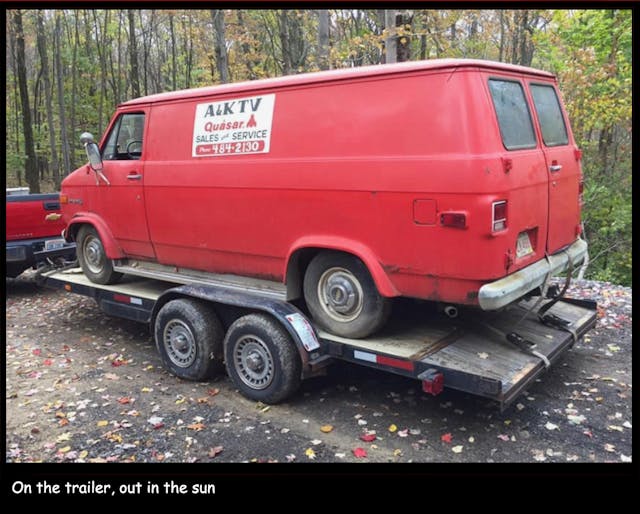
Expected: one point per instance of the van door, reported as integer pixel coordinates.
(563, 167)
(122, 203)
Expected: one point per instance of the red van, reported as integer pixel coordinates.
(456, 181)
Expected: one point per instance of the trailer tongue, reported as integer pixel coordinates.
(495, 355)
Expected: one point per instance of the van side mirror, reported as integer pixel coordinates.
(93, 152)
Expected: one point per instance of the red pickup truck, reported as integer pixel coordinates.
(33, 231)
(456, 181)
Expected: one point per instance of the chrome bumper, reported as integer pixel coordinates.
(502, 292)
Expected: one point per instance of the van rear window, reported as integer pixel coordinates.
(513, 114)
(545, 100)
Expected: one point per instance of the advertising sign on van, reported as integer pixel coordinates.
(233, 126)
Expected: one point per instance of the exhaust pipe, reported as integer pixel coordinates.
(451, 311)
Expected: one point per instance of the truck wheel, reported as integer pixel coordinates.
(261, 359)
(93, 259)
(188, 336)
(342, 297)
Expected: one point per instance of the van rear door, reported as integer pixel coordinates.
(563, 166)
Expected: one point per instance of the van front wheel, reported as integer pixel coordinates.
(342, 297)
(93, 259)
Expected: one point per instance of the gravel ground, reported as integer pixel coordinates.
(84, 387)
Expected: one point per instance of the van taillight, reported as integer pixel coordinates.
(581, 192)
(499, 221)
(454, 219)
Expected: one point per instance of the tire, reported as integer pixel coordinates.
(261, 359)
(188, 336)
(93, 259)
(342, 297)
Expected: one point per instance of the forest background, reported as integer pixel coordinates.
(67, 70)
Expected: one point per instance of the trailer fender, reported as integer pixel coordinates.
(289, 316)
(111, 248)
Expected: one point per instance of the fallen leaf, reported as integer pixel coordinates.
(576, 420)
(63, 437)
(124, 400)
(326, 428)
(393, 428)
(63, 422)
(47, 362)
(609, 447)
(340, 455)
(83, 454)
(65, 449)
(519, 406)
(588, 433)
(624, 458)
(472, 439)
(215, 451)
(403, 433)
(483, 355)
(154, 420)
(616, 428)
(457, 449)
(310, 453)
(203, 400)
(627, 424)
(551, 426)
(446, 438)
(213, 392)
(290, 458)
(111, 376)
(147, 389)
(503, 437)
(36, 352)
(180, 400)
(316, 442)
(196, 426)
(367, 438)
(359, 452)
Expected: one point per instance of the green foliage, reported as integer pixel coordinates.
(589, 51)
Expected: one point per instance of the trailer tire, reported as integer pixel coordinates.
(342, 297)
(262, 359)
(93, 259)
(188, 336)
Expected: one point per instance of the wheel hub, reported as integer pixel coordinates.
(253, 362)
(180, 343)
(340, 294)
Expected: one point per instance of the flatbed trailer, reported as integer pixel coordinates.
(269, 345)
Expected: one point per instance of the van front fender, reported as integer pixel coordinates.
(111, 248)
(364, 253)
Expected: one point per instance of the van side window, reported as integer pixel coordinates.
(125, 139)
(513, 114)
(547, 105)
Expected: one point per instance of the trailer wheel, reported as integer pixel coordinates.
(342, 297)
(189, 336)
(93, 259)
(261, 359)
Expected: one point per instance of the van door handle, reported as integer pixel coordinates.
(134, 176)
(555, 167)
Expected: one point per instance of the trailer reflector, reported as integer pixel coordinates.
(432, 381)
(381, 359)
(127, 299)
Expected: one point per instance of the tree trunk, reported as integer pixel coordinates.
(174, 82)
(31, 170)
(249, 62)
(220, 45)
(323, 39)
(391, 40)
(42, 50)
(60, 81)
(501, 49)
(133, 56)
(284, 41)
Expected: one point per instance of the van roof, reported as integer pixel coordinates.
(331, 75)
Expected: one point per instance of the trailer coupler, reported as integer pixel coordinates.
(432, 381)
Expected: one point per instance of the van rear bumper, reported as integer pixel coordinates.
(502, 292)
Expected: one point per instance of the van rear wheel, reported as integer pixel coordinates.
(93, 259)
(342, 297)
